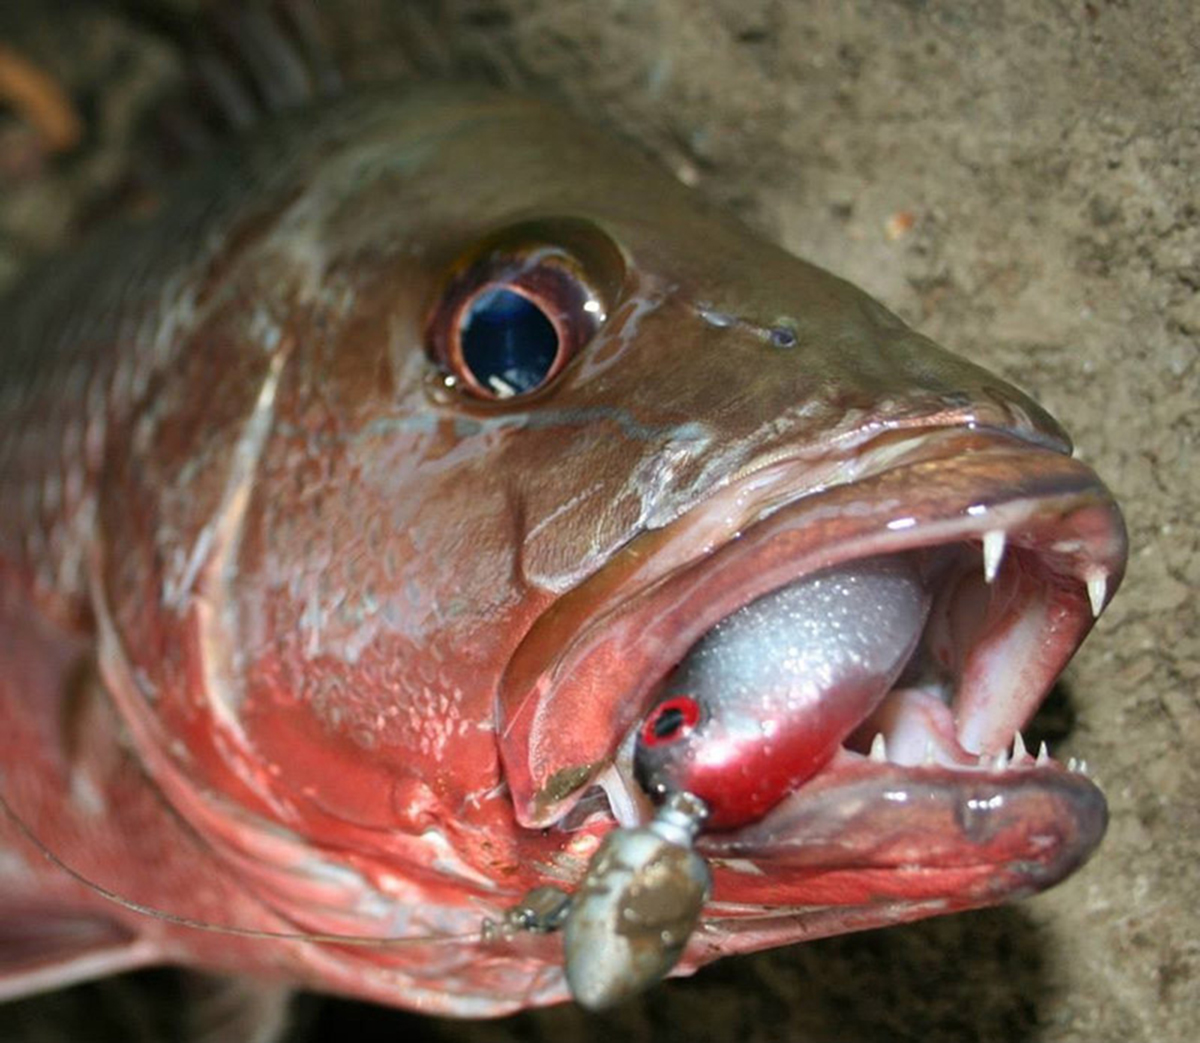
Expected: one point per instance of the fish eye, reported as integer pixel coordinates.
(514, 310)
(507, 344)
(670, 721)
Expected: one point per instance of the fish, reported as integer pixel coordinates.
(365, 503)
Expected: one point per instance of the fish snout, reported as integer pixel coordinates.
(819, 370)
(946, 390)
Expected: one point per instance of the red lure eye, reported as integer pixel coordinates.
(670, 721)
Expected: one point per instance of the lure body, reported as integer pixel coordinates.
(767, 697)
(312, 622)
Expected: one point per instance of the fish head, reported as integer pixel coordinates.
(498, 421)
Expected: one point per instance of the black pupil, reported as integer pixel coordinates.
(668, 722)
(508, 344)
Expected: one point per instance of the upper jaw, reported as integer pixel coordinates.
(595, 657)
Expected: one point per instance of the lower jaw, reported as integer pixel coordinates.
(860, 815)
(866, 845)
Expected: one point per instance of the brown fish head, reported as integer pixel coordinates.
(375, 579)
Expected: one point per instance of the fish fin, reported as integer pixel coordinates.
(282, 51)
(242, 63)
(247, 60)
(217, 1009)
(41, 950)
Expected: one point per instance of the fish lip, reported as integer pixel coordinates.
(595, 658)
(1036, 823)
(1045, 824)
(897, 888)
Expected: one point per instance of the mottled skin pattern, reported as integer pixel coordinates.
(257, 560)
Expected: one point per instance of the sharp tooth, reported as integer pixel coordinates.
(879, 749)
(993, 553)
(1000, 761)
(1097, 586)
(1043, 757)
(1019, 751)
(1083, 768)
(929, 755)
(1072, 765)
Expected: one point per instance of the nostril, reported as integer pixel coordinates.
(782, 337)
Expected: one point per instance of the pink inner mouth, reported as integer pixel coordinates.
(914, 784)
(1021, 547)
(910, 785)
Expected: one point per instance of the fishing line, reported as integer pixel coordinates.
(473, 937)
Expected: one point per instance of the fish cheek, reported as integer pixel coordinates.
(378, 606)
(285, 577)
(576, 531)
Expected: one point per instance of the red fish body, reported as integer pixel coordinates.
(312, 623)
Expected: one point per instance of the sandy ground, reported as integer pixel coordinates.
(1018, 180)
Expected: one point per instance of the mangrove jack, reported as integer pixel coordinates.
(433, 486)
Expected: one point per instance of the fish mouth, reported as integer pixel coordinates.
(932, 796)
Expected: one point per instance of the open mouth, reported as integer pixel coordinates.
(1014, 551)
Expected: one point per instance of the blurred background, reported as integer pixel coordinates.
(1019, 181)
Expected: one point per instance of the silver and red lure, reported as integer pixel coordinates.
(756, 708)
